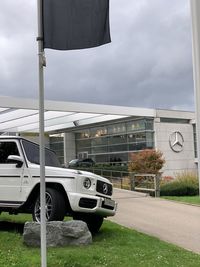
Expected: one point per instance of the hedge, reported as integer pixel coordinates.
(186, 185)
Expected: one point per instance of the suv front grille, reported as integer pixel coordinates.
(104, 188)
(87, 203)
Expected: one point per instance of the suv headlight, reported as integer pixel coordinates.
(87, 183)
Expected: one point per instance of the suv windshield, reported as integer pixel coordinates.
(32, 154)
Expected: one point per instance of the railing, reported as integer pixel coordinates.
(130, 181)
(146, 182)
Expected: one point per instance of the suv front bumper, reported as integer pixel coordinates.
(92, 204)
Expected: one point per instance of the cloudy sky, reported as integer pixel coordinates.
(148, 63)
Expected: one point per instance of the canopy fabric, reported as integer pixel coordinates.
(22, 115)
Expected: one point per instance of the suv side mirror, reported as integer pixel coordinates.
(16, 160)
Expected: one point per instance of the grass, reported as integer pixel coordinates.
(114, 246)
(186, 199)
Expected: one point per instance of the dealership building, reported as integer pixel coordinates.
(105, 133)
(171, 132)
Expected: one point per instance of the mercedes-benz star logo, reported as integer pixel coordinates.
(176, 141)
(105, 189)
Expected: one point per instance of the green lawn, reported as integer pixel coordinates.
(187, 199)
(114, 246)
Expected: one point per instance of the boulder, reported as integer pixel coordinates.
(58, 234)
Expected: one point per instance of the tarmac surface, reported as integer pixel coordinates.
(170, 221)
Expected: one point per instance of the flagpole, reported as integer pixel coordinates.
(195, 15)
(41, 64)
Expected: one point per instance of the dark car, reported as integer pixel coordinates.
(81, 163)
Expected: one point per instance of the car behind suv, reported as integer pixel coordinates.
(81, 163)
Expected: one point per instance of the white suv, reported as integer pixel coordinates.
(82, 195)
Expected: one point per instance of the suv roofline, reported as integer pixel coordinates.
(11, 137)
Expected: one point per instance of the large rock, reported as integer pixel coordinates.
(58, 233)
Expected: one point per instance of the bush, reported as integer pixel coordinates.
(146, 161)
(166, 179)
(111, 167)
(185, 184)
(104, 167)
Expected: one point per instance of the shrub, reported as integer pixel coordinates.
(184, 184)
(187, 177)
(105, 167)
(166, 179)
(146, 161)
(111, 167)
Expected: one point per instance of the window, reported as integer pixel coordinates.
(117, 128)
(57, 145)
(98, 131)
(111, 142)
(195, 140)
(99, 149)
(7, 149)
(149, 124)
(135, 125)
(117, 139)
(99, 141)
(32, 153)
(174, 120)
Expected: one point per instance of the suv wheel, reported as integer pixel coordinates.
(94, 222)
(55, 206)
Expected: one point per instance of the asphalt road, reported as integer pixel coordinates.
(173, 222)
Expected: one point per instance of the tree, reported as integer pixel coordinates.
(146, 161)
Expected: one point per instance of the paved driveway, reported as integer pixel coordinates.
(173, 222)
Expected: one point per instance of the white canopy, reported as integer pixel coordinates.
(21, 115)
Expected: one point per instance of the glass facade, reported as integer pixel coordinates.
(114, 142)
(56, 143)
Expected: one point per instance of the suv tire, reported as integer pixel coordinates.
(55, 206)
(94, 222)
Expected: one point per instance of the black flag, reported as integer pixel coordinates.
(75, 24)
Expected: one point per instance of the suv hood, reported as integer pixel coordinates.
(59, 172)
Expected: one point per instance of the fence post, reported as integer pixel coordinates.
(121, 180)
(157, 184)
(132, 177)
(121, 183)
(111, 176)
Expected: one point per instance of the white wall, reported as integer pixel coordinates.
(175, 162)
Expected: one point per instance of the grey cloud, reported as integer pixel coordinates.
(148, 63)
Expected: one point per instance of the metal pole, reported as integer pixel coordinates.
(41, 63)
(195, 11)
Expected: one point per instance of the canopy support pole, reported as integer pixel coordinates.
(195, 11)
